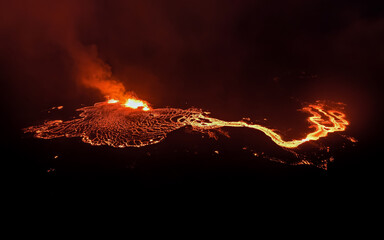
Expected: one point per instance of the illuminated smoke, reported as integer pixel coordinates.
(34, 26)
(92, 72)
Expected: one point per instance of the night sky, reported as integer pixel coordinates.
(233, 58)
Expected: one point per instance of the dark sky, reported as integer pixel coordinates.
(239, 58)
(230, 57)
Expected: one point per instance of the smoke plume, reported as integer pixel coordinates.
(35, 25)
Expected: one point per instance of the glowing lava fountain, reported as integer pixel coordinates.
(133, 103)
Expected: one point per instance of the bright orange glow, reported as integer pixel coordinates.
(116, 124)
(322, 120)
(113, 101)
(135, 103)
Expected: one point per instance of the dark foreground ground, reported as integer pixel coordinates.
(184, 163)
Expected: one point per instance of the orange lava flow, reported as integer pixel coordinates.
(323, 121)
(131, 123)
(334, 121)
(134, 124)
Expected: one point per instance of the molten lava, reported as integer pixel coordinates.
(134, 124)
(132, 103)
(113, 101)
(135, 103)
(109, 123)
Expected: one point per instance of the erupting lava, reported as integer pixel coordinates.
(134, 124)
(133, 103)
